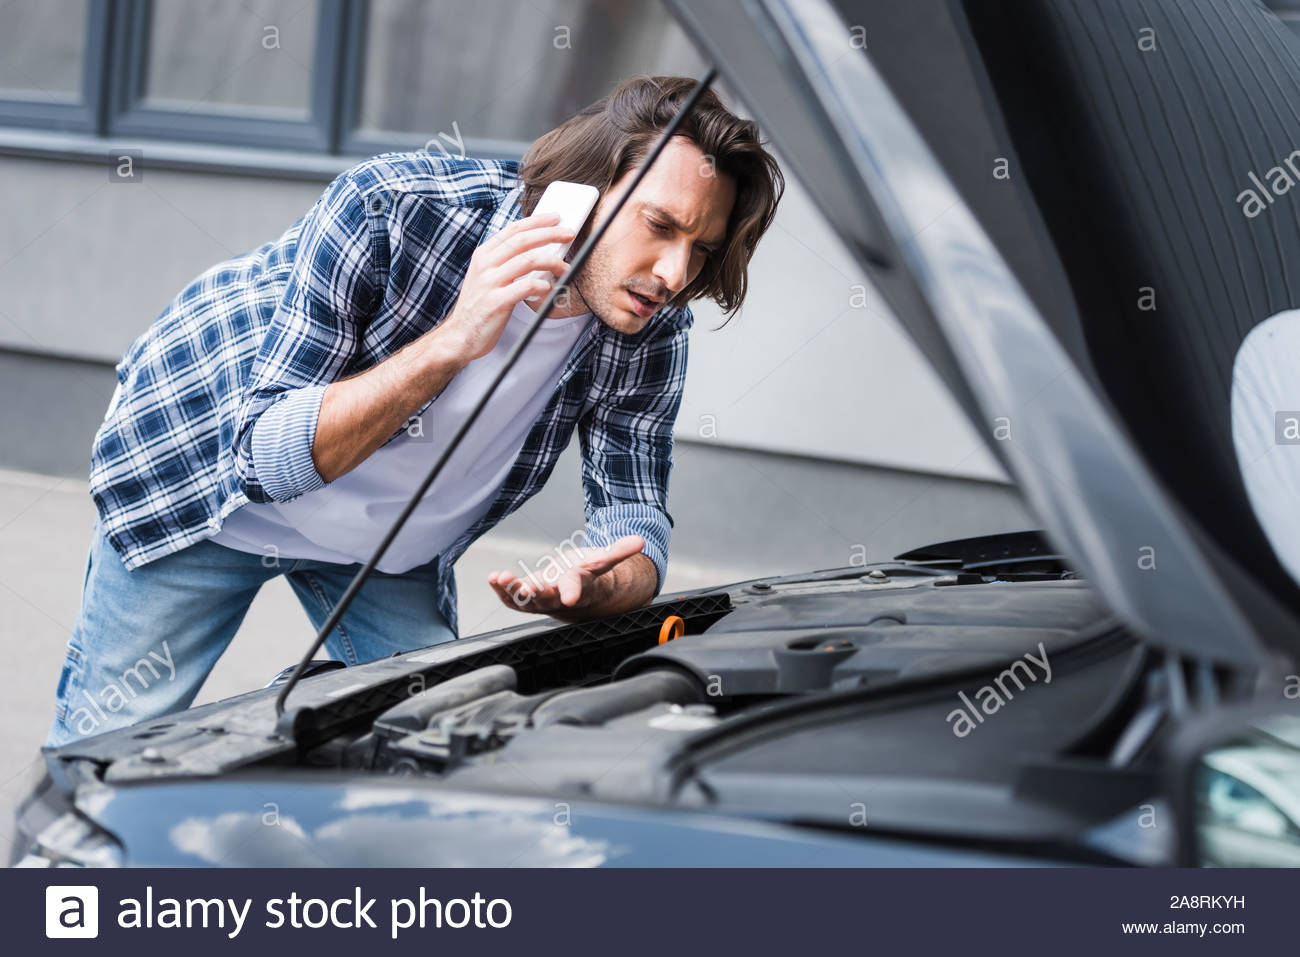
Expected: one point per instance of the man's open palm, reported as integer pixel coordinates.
(581, 569)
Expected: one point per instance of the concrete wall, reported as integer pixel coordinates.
(813, 364)
(810, 423)
(738, 513)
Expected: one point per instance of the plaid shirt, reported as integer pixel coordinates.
(218, 399)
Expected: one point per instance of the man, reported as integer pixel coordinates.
(281, 411)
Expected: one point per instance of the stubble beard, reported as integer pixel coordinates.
(596, 276)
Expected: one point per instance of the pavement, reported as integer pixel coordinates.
(45, 527)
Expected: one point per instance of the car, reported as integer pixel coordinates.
(1250, 796)
(1021, 185)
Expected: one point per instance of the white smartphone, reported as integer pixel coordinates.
(574, 202)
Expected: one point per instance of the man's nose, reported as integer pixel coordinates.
(671, 269)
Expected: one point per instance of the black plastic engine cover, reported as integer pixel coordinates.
(791, 643)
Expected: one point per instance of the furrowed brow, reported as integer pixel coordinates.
(672, 221)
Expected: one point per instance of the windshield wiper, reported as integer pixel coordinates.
(289, 725)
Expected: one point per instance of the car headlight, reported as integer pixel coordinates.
(52, 833)
(72, 841)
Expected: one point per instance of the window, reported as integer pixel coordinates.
(328, 76)
(254, 56)
(500, 70)
(51, 56)
(254, 73)
(41, 51)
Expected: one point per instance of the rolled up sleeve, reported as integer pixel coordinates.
(607, 525)
(283, 437)
(312, 338)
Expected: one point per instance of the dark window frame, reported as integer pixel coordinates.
(354, 142)
(127, 116)
(86, 115)
(112, 108)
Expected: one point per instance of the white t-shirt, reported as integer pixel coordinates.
(1265, 414)
(344, 521)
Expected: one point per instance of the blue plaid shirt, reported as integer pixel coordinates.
(218, 399)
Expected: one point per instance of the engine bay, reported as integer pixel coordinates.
(813, 698)
(625, 731)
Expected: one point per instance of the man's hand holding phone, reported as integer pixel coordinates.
(500, 276)
(523, 260)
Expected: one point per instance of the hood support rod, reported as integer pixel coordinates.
(290, 725)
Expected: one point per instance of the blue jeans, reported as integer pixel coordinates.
(145, 640)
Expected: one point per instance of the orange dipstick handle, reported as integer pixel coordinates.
(673, 627)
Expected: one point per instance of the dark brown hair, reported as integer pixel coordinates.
(600, 144)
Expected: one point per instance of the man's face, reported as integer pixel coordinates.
(660, 239)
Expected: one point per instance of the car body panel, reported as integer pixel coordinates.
(835, 121)
(222, 785)
(296, 821)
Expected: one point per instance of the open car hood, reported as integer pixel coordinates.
(1030, 391)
